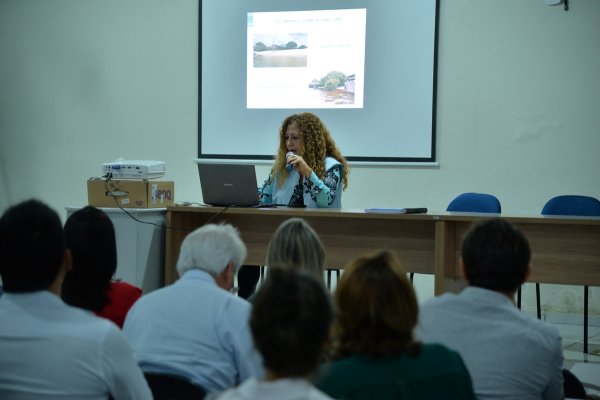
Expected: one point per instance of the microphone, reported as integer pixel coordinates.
(289, 167)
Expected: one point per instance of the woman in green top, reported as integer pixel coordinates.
(374, 352)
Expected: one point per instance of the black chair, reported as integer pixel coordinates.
(173, 387)
(572, 205)
(572, 386)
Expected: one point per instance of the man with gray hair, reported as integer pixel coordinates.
(196, 328)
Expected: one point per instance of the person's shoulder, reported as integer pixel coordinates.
(335, 369)
(86, 323)
(98, 333)
(438, 351)
(442, 359)
(228, 309)
(315, 394)
(331, 162)
(229, 394)
(241, 392)
(439, 302)
(236, 303)
(539, 331)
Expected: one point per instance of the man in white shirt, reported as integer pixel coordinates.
(196, 328)
(509, 354)
(49, 350)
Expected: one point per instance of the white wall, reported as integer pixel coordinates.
(83, 82)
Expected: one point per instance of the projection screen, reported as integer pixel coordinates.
(366, 68)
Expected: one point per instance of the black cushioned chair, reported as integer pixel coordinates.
(173, 387)
(572, 386)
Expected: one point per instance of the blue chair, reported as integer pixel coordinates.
(572, 205)
(475, 202)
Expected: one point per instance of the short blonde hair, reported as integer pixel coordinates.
(296, 245)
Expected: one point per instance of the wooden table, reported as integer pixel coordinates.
(566, 250)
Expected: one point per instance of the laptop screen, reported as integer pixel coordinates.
(228, 185)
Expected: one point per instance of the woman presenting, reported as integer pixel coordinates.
(309, 170)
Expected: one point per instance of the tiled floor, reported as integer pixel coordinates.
(572, 338)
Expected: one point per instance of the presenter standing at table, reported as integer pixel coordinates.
(309, 171)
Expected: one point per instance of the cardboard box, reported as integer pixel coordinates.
(130, 193)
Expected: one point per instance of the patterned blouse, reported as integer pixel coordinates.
(323, 192)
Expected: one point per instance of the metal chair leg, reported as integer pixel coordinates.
(537, 298)
(262, 273)
(585, 319)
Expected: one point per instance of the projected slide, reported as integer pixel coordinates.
(306, 59)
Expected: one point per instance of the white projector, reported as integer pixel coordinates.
(134, 169)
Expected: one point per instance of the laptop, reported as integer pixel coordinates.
(228, 185)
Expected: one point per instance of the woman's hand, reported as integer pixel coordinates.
(300, 165)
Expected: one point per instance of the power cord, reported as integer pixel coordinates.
(113, 193)
(217, 214)
(118, 193)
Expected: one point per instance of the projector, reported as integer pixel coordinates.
(134, 169)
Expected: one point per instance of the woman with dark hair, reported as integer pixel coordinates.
(90, 237)
(290, 322)
(375, 355)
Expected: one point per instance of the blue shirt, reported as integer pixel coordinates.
(195, 329)
(509, 354)
(49, 350)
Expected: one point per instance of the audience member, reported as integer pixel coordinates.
(295, 245)
(49, 350)
(510, 355)
(195, 328)
(90, 238)
(375, 354)
(290, 323)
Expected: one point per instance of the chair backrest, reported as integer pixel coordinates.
(173, 387)
(572, 205)
(475, 202)
(572, 386)
(588, 374)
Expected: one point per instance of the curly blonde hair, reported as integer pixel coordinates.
(317, 144)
